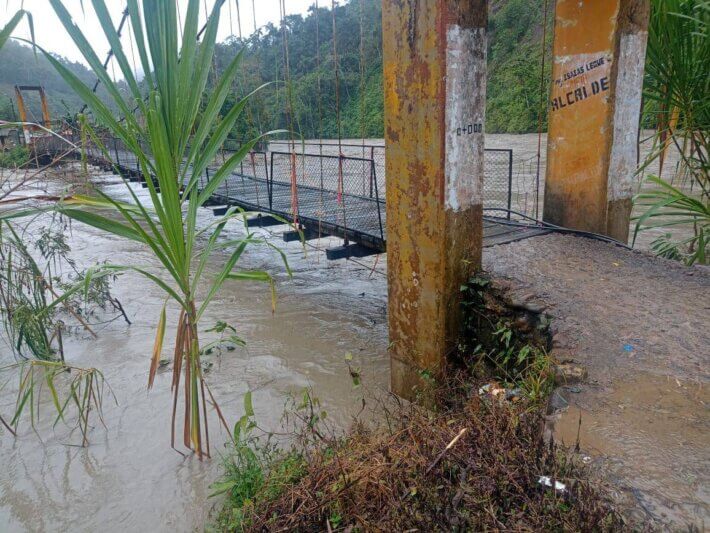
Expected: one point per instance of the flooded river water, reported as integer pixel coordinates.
(128, 478)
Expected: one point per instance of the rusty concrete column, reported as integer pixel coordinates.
(595, 99)
(435, 86)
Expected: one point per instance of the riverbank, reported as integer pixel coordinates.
(640, 327)
(327, 310)
(629, 332)
(477, 458)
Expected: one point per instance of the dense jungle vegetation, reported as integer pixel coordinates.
(514, 54)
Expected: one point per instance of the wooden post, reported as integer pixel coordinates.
(595, 101)
(435, 86)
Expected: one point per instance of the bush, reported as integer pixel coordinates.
(14, 157)
(414, 473)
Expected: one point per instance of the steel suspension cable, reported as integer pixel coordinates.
(289, 106)
(133, 52)
(250, 118)
(337, 119)
(231, 25)
(124, 16)
(319, 97)
(541, 109)
(239, 20)
(362, 90)
(179, 16)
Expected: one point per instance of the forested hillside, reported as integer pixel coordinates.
(514, 52)
(20, 66)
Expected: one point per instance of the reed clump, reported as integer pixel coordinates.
(476, 466)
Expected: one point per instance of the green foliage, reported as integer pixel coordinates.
(6, 31)
(514, 58)
(491, 341)
(676, 88)
(677, 65)
(29, 286)
(14, 157)
(19, 65)
(29, 325)
(174, 133)
(514, 54)
(255, 473)
(75, 393)
(666, 206)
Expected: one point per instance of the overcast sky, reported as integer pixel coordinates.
(50, 34)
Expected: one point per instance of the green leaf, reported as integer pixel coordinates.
(10, 27)
(105, 224)
(248, 408)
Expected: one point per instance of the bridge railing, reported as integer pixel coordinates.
(340, 190)
(335, 187)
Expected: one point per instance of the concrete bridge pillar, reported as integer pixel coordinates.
(435, 86)
(595, 99)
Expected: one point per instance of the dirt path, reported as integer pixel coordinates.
(641, 327)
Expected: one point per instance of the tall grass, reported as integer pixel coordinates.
(175, 132)
(30, 330)
(676, 87)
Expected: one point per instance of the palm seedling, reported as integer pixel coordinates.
(676, 90)
(6, 31)
(170, 122)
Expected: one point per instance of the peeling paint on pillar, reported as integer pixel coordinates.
(599, 50)
(465, 109)
(633, 35)
(434, 77)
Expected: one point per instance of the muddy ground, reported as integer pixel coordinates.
(641, 327)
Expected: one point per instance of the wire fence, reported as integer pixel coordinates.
(338, 189)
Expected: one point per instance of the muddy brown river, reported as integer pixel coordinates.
(129, 479)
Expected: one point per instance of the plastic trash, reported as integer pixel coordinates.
(492, 389)
(545, 481)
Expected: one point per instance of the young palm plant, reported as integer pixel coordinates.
(6, 31)
(676, 88)
(170, 122)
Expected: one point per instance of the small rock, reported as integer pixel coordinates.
(501, 285)
(567, 373)
(561, 341)
(526, 303)
(562, 355)
(557, 401)
(522, 323)
(535, 307)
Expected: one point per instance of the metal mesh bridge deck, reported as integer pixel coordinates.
(326, 193)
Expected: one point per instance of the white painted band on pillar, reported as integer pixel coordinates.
(464, 116)
(627, 106)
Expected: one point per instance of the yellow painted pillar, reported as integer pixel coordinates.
(435, 86)
(595, 99)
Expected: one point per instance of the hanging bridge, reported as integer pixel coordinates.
(323, 189)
